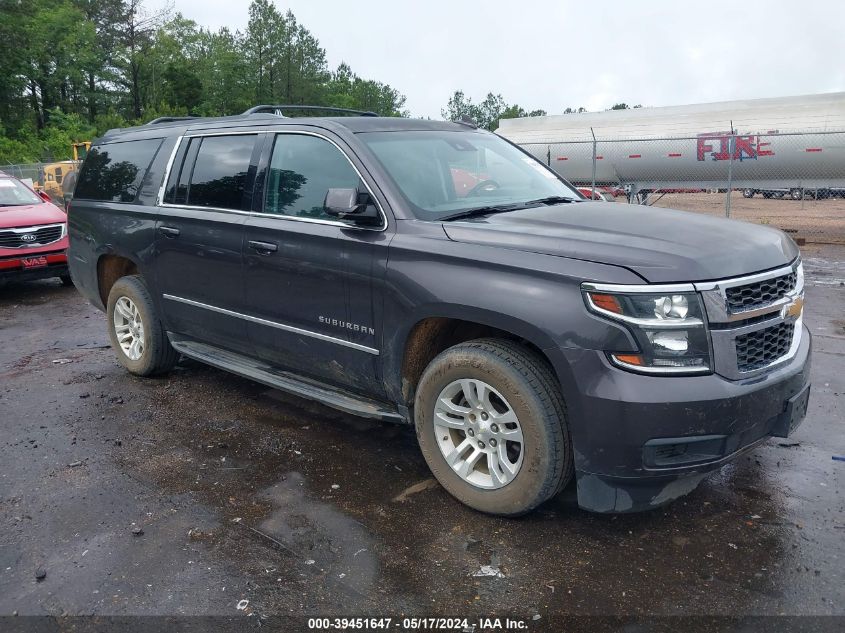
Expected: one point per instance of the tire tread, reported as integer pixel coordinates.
(164, 356)
(539, 376)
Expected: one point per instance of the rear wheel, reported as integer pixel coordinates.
(135, 331)
(796, 194)
(747, 193)
(491, 424)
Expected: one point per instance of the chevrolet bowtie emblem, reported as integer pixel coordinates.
(794, 309)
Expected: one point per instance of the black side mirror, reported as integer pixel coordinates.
(350, 204)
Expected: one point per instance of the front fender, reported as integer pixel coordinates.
(532, 296)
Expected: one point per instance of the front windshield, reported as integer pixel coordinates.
(15, 194)
(441, 173)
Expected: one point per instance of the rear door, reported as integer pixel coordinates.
(199, 237)
(308, 277)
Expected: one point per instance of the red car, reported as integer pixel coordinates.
(614, 190)
(33, 234)
(598, 194)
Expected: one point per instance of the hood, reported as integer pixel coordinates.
(30, 215)
(661, 245)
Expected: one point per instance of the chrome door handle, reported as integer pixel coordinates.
(169, 231)
(263, 248)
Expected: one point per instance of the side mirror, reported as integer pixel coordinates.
(342, 202)
(350, 204)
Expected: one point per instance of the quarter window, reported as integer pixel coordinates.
(220, 172)
(114, 171)
(302, 170)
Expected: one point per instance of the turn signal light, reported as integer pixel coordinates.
(629, 359)
(606, 302)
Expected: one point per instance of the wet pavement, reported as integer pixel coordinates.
(255, 503)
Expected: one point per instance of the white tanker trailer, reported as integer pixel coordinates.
(788, 145)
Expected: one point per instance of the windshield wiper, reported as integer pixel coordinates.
(481, 211)
(503, 208)
(551, 200)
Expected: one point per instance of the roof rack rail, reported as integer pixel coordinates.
(169, 119)
(277, 109)
(466, 120)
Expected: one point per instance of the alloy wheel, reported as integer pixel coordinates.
(129, 328)
(478, 433)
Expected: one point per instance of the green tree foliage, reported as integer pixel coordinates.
(71, 69)
(348, 90)
(486, 114)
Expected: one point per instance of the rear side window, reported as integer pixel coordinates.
(219, 174)
(114, 171)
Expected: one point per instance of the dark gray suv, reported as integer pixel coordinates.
(434, 274)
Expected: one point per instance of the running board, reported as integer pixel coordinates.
(285, 381)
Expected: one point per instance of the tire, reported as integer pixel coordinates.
(155, 353)
(796, 194)
(530, 390)
(66, 280)
(747, 193)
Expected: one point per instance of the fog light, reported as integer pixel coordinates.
(669, 341)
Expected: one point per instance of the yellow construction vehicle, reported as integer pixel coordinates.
(80, 150)
(52, 174)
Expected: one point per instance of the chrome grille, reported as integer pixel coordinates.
(759, 349)
(31, 236)
(759, 294)
(755, 321)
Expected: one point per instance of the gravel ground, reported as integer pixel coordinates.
(817, 221)
(201, 493)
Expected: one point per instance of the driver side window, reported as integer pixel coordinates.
(302, 170)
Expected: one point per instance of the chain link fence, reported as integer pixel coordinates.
(25, 171)
(793, 181)
(52, 178)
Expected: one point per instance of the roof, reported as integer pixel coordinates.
(354, 124)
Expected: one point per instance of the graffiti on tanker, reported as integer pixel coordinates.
(720, 146)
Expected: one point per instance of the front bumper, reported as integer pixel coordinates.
(642, 441)
(12, 269)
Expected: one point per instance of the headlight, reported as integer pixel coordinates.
(667, 323)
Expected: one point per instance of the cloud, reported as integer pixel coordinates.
(556, 54)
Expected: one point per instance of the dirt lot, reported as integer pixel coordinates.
(256, 505)
(817, 221)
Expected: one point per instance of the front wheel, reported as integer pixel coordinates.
(135, 331)
(747, 193)
(491, 424)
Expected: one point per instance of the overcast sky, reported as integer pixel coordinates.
(553, 54)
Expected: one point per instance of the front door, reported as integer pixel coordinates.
(308, 276)
(199, 238)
